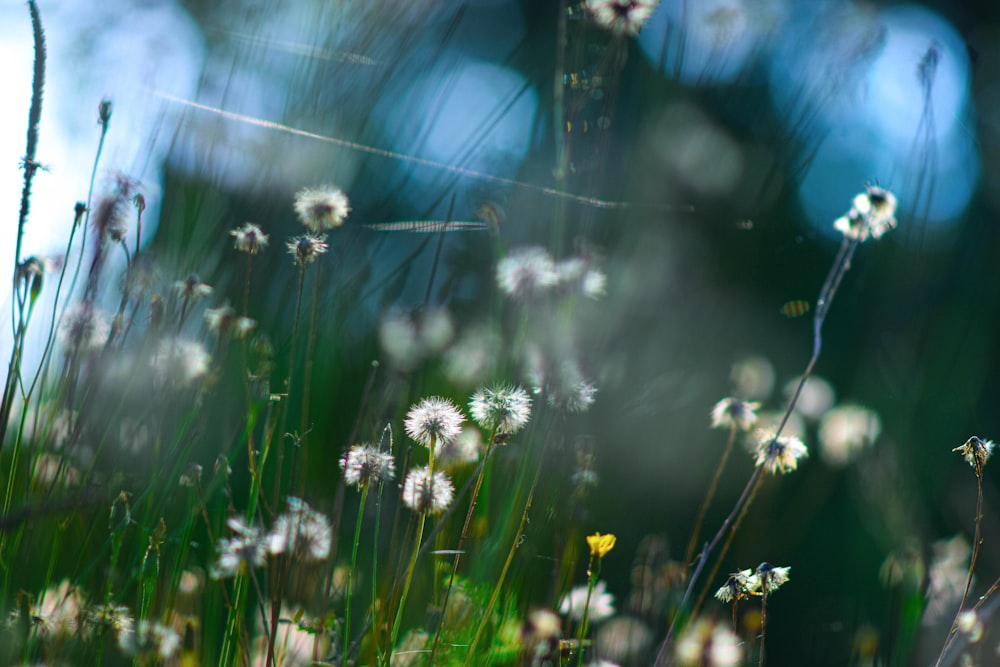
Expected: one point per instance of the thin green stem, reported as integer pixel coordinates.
(350, 574)
(592, 574)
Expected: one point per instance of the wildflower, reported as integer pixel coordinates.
(601, 603)
(150, 639)
(249, 238)
(248, 547)
(110, 617)
(734, 413)
(365, 464)
(872, 214)
(621, 16)
(526, 273)
(433, 420)
(192, 288)
(780, 454)
(225, 322)
(976, 451)
(463, 449)
(301, 530)
(847, 430)
(425, 493)
(600, 545)
(739, 585)
(85, 328)
(306, 248)
(59, 612)
(321, 208)
(770, 578)
(577, 397)
(707, 643)
(503, 408)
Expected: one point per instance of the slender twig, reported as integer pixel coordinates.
(689, 552)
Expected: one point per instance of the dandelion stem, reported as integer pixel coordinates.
(350, 574)
(592, 572)
(503, 572)
(977, 542)
(689, 553)
(461, 541)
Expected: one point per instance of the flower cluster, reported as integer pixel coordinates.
(872, 214)
(602, 603)
(248, 547)
(528, 273)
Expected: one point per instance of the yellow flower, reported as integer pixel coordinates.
(600, 545)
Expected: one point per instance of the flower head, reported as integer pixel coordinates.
(321, 208)
(225, 322)
(301, 530)
(734, 413)
(365, 464)
(600, 545)
(527, 273)
(192, 288)
(423, 492)
(976, 451)
(739, 585)
(249, 238)
(622, 16)
(706, 642)
(433, 420)
(872, 214)
(779, 454)
(248, 547)
(770, 578)
(306, 248)
(504, 408)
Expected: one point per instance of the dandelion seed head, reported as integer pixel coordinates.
(306, 248)
(180, 361)
(84, 328)
(113, 617)
(249, 238)
(706, 643)
(247, 548)
(976, 451)
(503, 408)
(527, 273)
(734, 413)
(150, 639)
(433, 420)
(872, 214)
(191, 288)
(770, 578)
(423, 492)
(621, 16)
(320, 209)
(301, 531)
(464, 449)
(781, 454)
(846, 431)
(365, 464)
(602, 603)
(223, 321)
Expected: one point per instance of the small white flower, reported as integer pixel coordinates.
(248, 547)
(306, 248)
(622, 16)
(734, 413)
(249, 238)
(527, 273)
